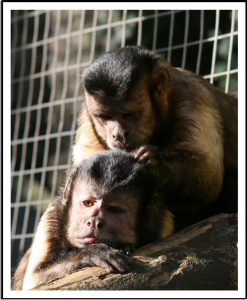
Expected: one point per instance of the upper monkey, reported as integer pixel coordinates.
(180, 123)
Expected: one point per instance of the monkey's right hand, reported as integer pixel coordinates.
(150, 155)
(101, 255)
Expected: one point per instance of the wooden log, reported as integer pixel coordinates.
(203, 256)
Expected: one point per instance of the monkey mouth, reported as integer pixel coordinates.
(82, 241)
(124, 146)
(86, 240)
(89, 240)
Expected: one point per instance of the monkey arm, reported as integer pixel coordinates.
(21, 271)
(196, 179)
(190, 167)
(68, 261)
(86, 142)
(46, 241)
(188, 180)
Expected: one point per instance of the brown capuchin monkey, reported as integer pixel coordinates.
(181, 124)
(109, 205)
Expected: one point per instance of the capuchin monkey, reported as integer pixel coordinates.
(109, 205)
(175, 120)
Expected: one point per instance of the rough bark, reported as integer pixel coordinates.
(200, 257)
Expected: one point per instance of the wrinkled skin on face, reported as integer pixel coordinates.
(100, 217)
(125, 124)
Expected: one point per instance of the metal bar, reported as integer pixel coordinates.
(200, 43)
(185, 39)
(230, 53)
(170, 37)
(215, 46)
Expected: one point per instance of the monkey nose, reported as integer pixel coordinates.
(94, 224)
(118, 137)
(89, 224)
(99, 224)
(126, 134)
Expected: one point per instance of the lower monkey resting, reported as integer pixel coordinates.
(107, 207)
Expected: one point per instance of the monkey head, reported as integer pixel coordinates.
(98, 217)
(119, 97)
(105, 195)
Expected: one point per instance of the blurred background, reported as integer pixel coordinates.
(50, 49)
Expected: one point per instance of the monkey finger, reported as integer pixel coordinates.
(132, 248)
(128, 249)
(106, 265)
(120, 264)
(143, 156)
(140, 152)
(129, 261)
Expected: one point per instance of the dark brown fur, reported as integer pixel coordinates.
(193, 141)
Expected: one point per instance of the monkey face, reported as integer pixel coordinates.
(100, 217)
(123, 124)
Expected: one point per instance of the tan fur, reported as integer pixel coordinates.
(168, 224)
(86, 142)
(208, 146)
(40, 250)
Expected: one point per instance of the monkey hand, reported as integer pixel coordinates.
(150, 155)
(101, 255)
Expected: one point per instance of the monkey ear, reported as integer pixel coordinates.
(67, 189)
(161, 80)
(161, 85)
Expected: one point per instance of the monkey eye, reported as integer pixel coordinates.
(128, 115)
(114, 209)
(88, 203)
(105, 117)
